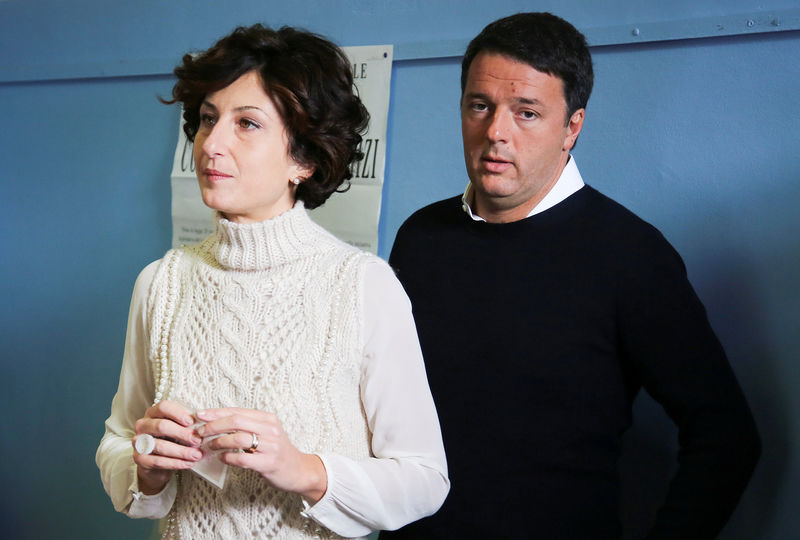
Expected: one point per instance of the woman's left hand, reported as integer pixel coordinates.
(256, 440)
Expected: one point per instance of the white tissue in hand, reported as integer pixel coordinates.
(210, 467)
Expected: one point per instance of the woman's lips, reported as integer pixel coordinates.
(214, 175)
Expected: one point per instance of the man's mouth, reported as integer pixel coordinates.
(495, 164)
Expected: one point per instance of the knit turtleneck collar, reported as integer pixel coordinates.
(267, 244)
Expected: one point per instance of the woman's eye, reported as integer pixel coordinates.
(207, 120)
(248, 124)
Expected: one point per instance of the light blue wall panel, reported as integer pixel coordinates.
(85, 205)
(90, 38)
(698, 136)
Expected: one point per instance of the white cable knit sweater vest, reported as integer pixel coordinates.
(265, 316)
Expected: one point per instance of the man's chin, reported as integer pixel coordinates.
(495, 186)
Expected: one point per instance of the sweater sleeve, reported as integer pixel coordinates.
(407, 477)
(134, 396)
(669, 344)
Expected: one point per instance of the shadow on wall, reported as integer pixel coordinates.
(649, 448)
(743, 329)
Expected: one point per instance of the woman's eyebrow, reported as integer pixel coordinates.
(237, 109)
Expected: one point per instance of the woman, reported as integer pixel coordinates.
(288, 355)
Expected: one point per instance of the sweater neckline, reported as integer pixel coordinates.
(565, 210)
(266, 244)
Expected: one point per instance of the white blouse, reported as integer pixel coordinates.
(404, 481)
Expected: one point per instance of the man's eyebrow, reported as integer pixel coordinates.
(476, 95)
(528, 101)
(484, 97)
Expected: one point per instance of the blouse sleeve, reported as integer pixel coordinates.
(407, 478)
(134, 396)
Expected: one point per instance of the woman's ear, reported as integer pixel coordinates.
(300, 174)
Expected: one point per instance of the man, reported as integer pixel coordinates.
(543, 307)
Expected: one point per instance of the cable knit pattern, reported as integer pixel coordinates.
(264, 316)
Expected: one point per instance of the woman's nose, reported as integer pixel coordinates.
(214, 142)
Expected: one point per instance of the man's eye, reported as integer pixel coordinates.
(528, 115)
(479, 107)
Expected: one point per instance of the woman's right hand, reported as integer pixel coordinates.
(177, 446)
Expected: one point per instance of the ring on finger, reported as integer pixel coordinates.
(253, 445)
(145, 444)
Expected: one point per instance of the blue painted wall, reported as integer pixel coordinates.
(693, 124)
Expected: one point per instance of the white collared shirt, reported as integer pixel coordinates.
(568, 183)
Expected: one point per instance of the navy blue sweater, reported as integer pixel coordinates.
(537, 335)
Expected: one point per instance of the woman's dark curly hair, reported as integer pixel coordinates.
(310, 82)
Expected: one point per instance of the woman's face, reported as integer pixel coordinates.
(241, 153)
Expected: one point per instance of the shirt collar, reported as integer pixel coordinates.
(568, 183)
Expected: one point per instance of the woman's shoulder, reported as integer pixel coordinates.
(348, 258)
(151, 272)
(367, 261)
(148, 274)
(380, 278)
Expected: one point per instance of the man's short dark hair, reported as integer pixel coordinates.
(309, 80)
(545, 42)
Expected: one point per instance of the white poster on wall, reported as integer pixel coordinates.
(352, 215)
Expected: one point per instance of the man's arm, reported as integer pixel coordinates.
(668, 341)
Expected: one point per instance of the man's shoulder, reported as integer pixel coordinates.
(602, 209)
(608, 207)
(621, 232)
(422, 232)
(438, 210)
(433, 216)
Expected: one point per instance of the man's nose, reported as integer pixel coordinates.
(499, 126)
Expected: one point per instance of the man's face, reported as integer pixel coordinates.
(515, 133)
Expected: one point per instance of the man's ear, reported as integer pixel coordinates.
(574, 127)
